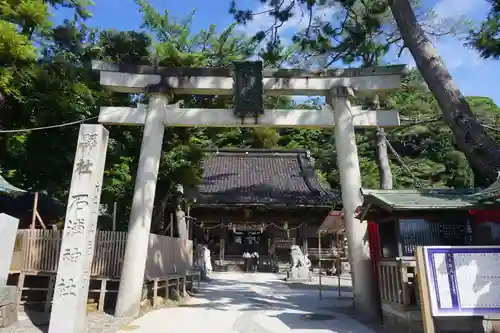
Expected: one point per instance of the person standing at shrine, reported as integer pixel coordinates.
(207, 260)
(255, 261)
(247, 258)
(200, 260)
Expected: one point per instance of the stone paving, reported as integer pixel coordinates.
(251, 303)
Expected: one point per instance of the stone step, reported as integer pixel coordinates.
(239, 268)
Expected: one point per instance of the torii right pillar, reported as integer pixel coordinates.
(363, 282)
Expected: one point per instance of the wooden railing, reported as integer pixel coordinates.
(325, 252)
(397, 281)
(37, 252)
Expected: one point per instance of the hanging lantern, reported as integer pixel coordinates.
(234, 229)
(262, 228)
(201, 225)
(285, 226)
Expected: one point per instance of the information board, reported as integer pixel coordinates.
(463, 280)
(419, 232)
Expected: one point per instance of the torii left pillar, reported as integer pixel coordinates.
(136, 250)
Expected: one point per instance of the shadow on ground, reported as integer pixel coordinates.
(38, 318)
(295, 305)
(274, 294)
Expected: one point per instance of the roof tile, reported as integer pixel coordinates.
(417, 199)
(255, 176)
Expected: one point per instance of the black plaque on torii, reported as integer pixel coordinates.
(248, 89)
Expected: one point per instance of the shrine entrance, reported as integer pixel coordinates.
(246, 241)
(248, 82)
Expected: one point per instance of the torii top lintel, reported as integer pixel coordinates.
(219, 81)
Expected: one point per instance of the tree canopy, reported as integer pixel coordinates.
(46, 80)
(486, 38)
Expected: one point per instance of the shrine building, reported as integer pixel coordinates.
(260, 200)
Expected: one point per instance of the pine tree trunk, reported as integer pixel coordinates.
(482, 152)
(383, 161)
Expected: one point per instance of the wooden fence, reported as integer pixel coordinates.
(397, 282)
(37, 252)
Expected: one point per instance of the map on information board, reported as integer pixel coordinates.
(463, 280)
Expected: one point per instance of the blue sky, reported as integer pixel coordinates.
(474, 76)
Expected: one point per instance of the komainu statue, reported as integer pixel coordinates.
(297, 258)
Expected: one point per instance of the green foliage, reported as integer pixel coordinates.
(60, 87)
(22, 23)
(486, 39)
(425, 152)
(52, 83)
(360, 30)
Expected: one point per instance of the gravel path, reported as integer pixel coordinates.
(39, 322)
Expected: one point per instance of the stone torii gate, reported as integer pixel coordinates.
(248, 82)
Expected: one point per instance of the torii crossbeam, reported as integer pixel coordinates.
(175, 116)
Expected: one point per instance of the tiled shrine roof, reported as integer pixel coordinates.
(8, 189)
(430, 199)
(261, 177)
(19, 203)
(433, 199)
(490, 194)
(420, 199)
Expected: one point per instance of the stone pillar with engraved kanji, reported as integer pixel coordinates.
(77, 247)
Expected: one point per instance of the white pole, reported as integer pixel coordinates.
(319, 266)
(115, 207)
(350, 179)
(171, 225)
(136, 251)
(338, 262)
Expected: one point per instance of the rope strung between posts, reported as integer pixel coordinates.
(262, 226)
(77, 122)
(207, 228)
(416, 182)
